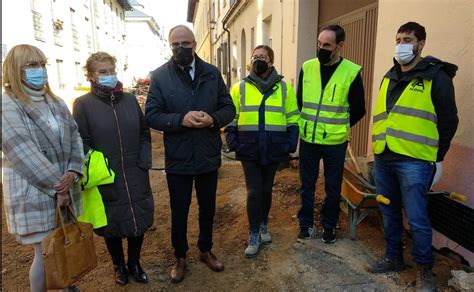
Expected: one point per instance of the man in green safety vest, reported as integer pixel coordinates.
(414, 120)
(331, 100)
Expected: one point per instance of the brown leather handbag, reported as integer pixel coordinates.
(68, 252)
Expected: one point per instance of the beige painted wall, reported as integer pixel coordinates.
(293, 39)
(450, 35)
(201, 30)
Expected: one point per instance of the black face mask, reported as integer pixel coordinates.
(259, 67)
(183, 56)
(324, 56)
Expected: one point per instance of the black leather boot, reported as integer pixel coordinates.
(121, 275)
(137, 272)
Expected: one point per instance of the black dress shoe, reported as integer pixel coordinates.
(137, 272)
(121, 275)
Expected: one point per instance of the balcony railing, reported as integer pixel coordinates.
(58, 38)
(37, 25)
(75, 39)
(89, 41)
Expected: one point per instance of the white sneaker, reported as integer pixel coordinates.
(255, 241)
(265, 234)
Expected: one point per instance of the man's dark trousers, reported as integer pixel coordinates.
(333, 160)
(180, 188)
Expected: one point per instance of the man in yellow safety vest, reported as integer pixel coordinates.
(331, 100)
(414, 120)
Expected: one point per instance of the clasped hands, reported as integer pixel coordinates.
(197, 119)
(62, 188)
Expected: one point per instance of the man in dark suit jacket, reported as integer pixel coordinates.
(189, 102)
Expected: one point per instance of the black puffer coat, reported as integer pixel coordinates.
(118, 129)
(189, 151)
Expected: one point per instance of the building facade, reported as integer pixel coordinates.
(147, 48)
(67, 32)
(199, 14)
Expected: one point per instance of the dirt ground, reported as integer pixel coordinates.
(285, 265)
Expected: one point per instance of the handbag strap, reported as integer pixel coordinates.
(59, 213)
(70, 213)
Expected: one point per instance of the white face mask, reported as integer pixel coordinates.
(404, 53)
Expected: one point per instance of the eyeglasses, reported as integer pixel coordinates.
(34, 65)
(105, 72)
(185, 45)
(260, 57)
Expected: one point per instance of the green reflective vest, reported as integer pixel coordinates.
(96, 172)
(281, 109)
(324, 116)
(411, 126)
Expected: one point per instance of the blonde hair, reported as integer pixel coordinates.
(17, 57)
(89, 68)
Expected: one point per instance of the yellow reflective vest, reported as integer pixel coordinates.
(97, 172)
(411, 126)
(280, 111)
(324, 116)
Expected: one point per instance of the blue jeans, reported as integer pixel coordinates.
(405, 183)
(333, 157)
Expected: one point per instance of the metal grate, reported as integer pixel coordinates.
(452, 219)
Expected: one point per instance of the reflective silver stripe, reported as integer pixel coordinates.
(293, 113)
(379, 117)
(268, 108)
(334, 108)
(291, 124)
(242, 92)
(310, 105)
(325, 120)
(412, 137)
(276, 128)
(247, 127)
(403, 110)
(249, 108)
(378, 137)
(327, 108)
(275, 109)
(283, 94)
(232, 124)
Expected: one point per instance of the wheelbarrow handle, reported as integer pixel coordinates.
(458, 196)
(383, 200)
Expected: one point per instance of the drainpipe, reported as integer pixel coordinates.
(228, 55)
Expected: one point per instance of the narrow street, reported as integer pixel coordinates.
(285, 265)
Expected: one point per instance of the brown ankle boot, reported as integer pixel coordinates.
(424, 279)
(178, 271)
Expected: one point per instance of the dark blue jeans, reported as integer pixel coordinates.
(405, 183)
(333, 157)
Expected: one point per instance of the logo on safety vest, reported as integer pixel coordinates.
(418, 85)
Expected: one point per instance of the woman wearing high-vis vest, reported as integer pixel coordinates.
(414, 120)
(263, 133)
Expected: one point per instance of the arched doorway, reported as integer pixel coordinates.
(243, 56)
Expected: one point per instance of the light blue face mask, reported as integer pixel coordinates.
(36, 77)
(108, 80)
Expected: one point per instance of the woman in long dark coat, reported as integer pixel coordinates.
(111, 121)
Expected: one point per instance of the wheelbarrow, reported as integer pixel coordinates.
(361, 199)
